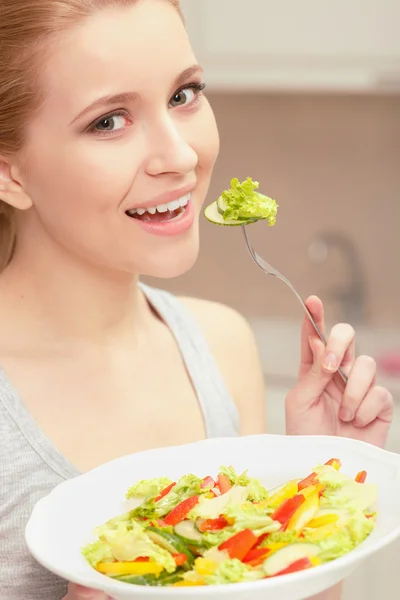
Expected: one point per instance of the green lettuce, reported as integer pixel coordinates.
(215, 507)
(127, 542)
(233, 571)
(330, 477)
(359, 527)
(97, 552)
(256, 491)
(148, 488)
(280, 537)
(335, 545)
(251, 516)
(187, 486)
(352, 495)
(242, 201)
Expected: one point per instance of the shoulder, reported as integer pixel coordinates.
(232, 343)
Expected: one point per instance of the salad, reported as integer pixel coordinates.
(196, 532)
(242, 205)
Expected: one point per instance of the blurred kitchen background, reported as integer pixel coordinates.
(307, 99)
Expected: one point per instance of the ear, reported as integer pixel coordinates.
(11, 190)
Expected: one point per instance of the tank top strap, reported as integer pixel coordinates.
(219, 411)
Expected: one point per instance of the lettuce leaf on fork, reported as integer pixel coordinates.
(242, 201)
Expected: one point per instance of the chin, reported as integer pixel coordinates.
(172, 260)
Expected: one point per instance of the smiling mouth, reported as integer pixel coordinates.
(163, 212)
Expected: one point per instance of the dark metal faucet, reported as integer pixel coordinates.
(351, 295)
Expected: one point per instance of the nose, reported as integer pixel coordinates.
(169, 150)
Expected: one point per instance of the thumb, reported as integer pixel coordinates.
(314, 380)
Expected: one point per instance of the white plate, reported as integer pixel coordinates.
(63, 522)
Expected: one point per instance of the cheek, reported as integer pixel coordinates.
(92, 176)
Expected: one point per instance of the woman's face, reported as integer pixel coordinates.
(125, 127)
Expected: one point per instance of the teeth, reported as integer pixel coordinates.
(174, 205)
(162, 208)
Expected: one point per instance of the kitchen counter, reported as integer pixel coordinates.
(279, 345)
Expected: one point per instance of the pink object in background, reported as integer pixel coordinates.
(389, 363)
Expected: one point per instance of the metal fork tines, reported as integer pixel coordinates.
(269, 270)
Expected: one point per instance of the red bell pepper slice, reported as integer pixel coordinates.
(256, 556)
(164, 492)
(180, 512)
(213, 524)
(224, 484)
(287, 509)
(309, 480)
(297, 565)
(180, 559)
(208, 482)
(332, 461)
(312, 479)
(239, 544)
(361, 477)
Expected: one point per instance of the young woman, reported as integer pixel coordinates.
(107, 145)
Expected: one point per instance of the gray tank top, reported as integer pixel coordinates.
(30, 466)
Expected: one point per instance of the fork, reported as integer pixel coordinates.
(269, 270)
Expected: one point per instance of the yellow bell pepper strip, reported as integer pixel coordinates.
(304, 514)
(361, 477)
(287, 491)
(188, 583)
(205, 566)
(287, 509)
(129, 568)
(324, 520)
(321, 533)
(310, 490)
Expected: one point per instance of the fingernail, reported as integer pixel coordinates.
(345, 414)
(331, 362)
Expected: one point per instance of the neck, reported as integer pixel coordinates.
(65, 297)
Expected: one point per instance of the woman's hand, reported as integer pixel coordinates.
(77, 592)
(321, 403)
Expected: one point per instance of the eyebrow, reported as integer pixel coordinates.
(127, 97)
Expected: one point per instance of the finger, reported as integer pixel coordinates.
(78, 592)
(339, 348)
(316, 308)
(314, 379)
(377, 404)
(361, 378)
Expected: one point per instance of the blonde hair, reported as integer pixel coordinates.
(25, 27)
